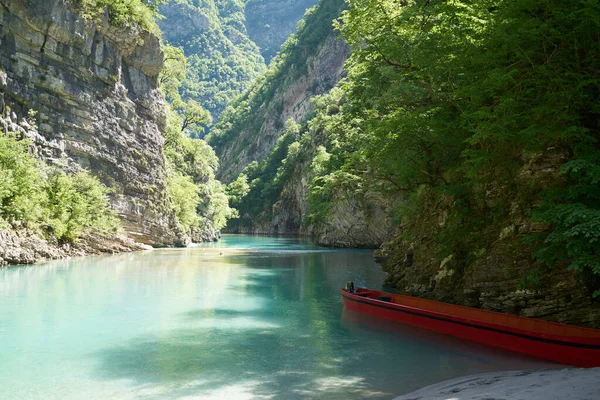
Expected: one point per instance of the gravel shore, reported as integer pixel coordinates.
(571, 383)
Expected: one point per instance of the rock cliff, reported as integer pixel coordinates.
(93, 90)
(311, 63)
(354, 219)
(500, 274)
(291, 99)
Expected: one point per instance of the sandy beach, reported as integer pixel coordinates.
(571, 383)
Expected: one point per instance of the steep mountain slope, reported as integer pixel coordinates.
(310, 63)
(496, 172)
(220, 38)
(452, 121)
(221, 59)
(93, 90)
(270, 22)
(271, 135)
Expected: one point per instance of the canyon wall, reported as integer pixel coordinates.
(86, 93)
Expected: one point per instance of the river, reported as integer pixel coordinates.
(246, 318)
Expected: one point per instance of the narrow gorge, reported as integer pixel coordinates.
(299, 199)
(357, 130)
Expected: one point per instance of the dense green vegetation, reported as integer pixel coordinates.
(255, 190)
(47, 200)
(247, 112)
(123, 12)
(221, 59)
(198, 199)
(469, 106)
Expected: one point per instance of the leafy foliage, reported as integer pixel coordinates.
(47, 200)
(573, 210)
(221, 59)
(198, 199)
(76, 202)
(173, 73)
(123, 12)
(185, 199)
(449, 100)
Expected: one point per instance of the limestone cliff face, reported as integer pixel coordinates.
(291, 100)
(93, 88)
(352, 222)
(490, 276)
(354, 219)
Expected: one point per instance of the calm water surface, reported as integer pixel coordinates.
(247, 318)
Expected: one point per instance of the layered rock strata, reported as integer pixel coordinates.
(92, 90)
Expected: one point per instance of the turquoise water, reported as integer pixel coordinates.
(246, 318)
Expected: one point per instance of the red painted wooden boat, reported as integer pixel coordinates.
(548, 340)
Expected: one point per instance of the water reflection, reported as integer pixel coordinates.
(215, 322)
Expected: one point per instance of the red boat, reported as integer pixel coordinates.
(549, 340)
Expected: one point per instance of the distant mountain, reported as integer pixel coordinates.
(220, 38)
(310, 63)
(270, 22)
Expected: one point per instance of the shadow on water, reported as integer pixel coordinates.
(286, 349)
(281, 333)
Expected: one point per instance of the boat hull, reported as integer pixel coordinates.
(557, 349)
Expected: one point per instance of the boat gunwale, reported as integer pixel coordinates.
(506, 329)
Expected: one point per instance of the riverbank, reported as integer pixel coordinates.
(25, 247)
(571, 383)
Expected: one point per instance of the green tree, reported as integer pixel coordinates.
(195, 117)
(173, 73)
(185, 198)
(237, 190)
(21, 187)
(47, 200)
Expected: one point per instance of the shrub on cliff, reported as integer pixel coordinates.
(123, 12)
(74, 203)
(47, 200)
(185, 198)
